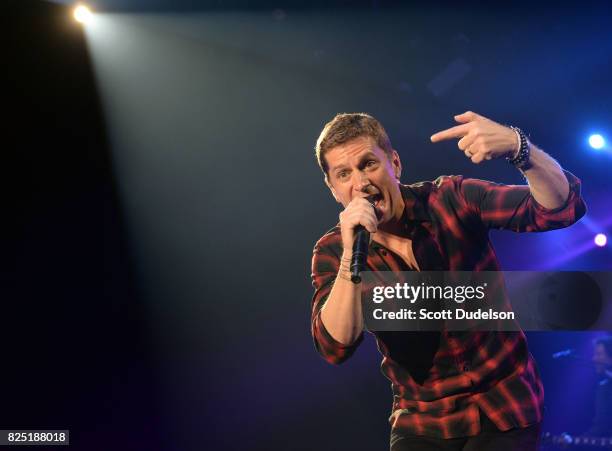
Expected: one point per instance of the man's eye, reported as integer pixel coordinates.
(342, 174)
(371, 163)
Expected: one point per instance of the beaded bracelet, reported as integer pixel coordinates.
(521, 161)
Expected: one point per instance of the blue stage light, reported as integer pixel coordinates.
(597, 141)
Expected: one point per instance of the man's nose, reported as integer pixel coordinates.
(361, 182)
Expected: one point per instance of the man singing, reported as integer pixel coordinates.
(451, 390)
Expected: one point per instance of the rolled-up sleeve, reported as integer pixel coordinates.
(512, 207)
(325, 265)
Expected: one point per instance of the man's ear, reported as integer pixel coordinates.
(331, 188)
(397, 164)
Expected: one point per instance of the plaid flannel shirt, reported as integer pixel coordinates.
(491, 371)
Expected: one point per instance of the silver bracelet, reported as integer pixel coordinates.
(521, 160)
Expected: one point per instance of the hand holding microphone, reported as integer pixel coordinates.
(357, 221)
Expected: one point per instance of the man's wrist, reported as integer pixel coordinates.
(520, 160)
(517, 147)
(344, 271)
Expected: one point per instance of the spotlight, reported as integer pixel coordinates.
(600, 239)
(82, 14)
(597, 141)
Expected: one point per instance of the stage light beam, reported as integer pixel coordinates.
(597, 141)
(82, 14)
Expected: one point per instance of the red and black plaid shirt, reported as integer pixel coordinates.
(492, 371)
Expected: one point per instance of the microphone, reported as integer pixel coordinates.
(360, 249)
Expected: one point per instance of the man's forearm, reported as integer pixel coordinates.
(341, 314)
(546, 180)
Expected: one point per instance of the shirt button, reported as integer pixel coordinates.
(384, 252)
(466, 367)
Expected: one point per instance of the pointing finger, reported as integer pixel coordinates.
(454, 132)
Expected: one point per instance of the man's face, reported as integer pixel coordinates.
(360, 168)
(601, 359)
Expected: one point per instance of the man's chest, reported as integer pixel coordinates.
(402, 247)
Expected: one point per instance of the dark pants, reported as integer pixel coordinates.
(489, 439)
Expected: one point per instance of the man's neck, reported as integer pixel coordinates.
(395, 226)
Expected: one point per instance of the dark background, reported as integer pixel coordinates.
(155, 285)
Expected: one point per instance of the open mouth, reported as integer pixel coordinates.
(377, 200)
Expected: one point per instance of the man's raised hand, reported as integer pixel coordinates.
(480, 138)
